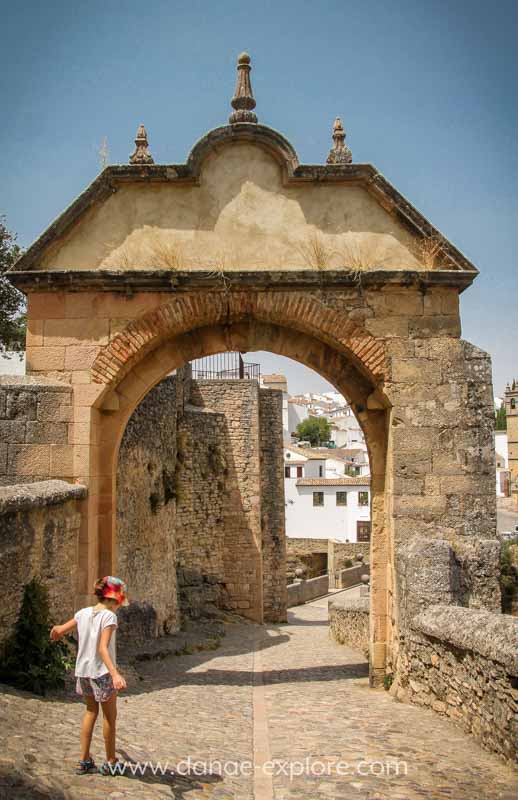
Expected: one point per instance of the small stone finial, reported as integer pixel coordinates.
(141, 154)
(243, 101)
(339, 153)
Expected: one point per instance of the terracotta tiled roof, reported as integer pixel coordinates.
(307, 452)
(345, 481)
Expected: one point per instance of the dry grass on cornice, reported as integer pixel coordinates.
(428, 251)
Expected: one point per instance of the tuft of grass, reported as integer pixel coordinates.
(315, 252)
(428, 251)
(163, 253)
(358, 255)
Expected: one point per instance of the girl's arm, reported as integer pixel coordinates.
(106, 635)
(58, 631)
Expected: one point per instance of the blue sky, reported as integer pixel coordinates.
(426, 90)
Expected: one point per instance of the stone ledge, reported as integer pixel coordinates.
(23, 497)
(494, 636)
(142, 280)
(356, 604)
(32, 383)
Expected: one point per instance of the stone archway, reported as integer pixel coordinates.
(243, 248)
(155, 344)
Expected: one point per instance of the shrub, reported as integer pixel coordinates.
(348, 563)
(508, 576)
(30, 660)
(388, 680)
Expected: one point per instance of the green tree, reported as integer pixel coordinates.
(315, 430)
(12, 302)
(501, 419)
(30, 660)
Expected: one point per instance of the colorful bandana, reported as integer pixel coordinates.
(115, 589)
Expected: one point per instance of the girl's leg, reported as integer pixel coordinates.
(87, 727)
(110, 715)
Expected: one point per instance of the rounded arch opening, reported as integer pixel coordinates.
(118, 401)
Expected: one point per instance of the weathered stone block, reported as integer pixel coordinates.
(29, 459)
(416, 370)
(12, 431)
(20, 404)
(47, 432)
(45, 359)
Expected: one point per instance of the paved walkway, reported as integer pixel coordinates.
(286, 694)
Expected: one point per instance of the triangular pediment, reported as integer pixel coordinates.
(242, 201)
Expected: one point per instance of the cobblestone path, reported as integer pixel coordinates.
(285, 693)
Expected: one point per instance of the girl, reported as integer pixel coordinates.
(98, 679)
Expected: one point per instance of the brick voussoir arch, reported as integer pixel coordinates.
(293, 310)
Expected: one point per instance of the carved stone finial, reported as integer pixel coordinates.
(243, 101)
(141, 154)
(339, 153)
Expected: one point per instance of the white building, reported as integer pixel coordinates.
(346, 431)
(321, 501)
(502, 464)
(12, 363)
(296, 414)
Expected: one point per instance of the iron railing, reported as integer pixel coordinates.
(225, 366)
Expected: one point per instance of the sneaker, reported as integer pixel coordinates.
(84, 767)
(107, 768)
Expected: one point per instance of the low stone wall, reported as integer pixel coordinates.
(349, 623)
(39, 537)
(321, 555)
(304, 591)
(345, 578)
(463, 663)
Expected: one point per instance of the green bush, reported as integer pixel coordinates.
(508, 575)
(348, 563)
(388, 680)
(30, 660)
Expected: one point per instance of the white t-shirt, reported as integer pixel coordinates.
(90, 623)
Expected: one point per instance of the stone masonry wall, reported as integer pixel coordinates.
(190, 478)
(241, 518)
(39, 537)
(36, 436)
(349, 623)
(272, 506)
(146, 505)
(463, 663)
(202, 496)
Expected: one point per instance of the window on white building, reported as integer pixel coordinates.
(363, 498)
(341, 498)
(318, 498)
(321, 471)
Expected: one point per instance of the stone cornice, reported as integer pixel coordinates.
(131, 281)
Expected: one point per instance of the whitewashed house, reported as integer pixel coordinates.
(346, 431)
(321, 501)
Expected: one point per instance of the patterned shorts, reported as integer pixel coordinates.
(101, 689)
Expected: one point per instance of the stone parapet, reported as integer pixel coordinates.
(304, 591)
(463, 664)
(349, 623)
(40, 524)
(28, 496)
